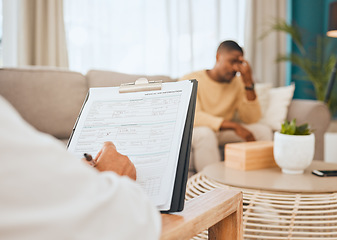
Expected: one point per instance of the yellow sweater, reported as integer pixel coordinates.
(217, 102)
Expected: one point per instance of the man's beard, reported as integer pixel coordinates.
(228, 79)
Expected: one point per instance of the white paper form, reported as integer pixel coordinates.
(145, 126)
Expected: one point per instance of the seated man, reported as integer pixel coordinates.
(47, 193)
(222, 93)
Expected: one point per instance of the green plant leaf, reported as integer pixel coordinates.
(290, 128)
(293, 30)
(314, 58)
(302, 130)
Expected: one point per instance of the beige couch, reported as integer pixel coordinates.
(50, 99)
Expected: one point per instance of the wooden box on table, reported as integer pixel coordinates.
(249, 155)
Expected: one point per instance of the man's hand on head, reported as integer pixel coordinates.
(108, 159)
(246, 72)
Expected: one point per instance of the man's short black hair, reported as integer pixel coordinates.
(229, 45)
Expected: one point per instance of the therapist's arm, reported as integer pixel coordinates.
(108, 159)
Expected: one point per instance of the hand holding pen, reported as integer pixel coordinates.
(108, 159)
(90, 160)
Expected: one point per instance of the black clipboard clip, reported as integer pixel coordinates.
(141, 84)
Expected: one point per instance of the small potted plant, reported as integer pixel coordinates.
(294, 147)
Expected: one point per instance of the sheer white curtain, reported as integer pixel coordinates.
(9, 41)
(41, 34)
(262, 53)
(33, 33)
(171, 37)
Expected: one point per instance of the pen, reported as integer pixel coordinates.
(89, 158)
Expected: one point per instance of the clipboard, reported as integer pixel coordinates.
(178, 198)
(179, 189)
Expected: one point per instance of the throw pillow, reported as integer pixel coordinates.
(262, 92)
(278, 102)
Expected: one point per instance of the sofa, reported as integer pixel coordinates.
(50, 99)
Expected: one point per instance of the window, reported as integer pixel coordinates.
(171, 37)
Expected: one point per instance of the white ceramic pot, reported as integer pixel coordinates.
(293, 153)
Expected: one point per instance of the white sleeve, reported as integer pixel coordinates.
(46, 193)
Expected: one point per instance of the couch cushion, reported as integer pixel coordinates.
(279, 100)
(50, 100)
(262, 92)
(100, 78)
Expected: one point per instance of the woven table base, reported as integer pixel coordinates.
(278, 215)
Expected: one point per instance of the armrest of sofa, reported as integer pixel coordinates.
(317, 115)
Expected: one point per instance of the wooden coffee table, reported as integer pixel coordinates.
(276, 205)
